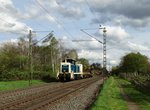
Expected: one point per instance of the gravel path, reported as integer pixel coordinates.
(131, 105)
(79, 100)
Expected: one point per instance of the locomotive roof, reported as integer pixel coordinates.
(70, 60)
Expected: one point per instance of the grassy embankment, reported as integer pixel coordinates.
(110, 98)
(141, 97)
(12, 85)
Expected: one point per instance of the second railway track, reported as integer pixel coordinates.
(40, 99)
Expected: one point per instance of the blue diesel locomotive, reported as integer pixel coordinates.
(70, 70)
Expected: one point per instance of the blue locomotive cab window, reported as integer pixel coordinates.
(65, 68)
(77, 69)
(73, 68)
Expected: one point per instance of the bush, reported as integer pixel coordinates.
(39, 74)
(45, 76)
(15, 74)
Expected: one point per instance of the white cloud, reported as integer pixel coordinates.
(113, 62)
(31, 12)
(74, 1)
(115, 33)
(128, 12)
(57, 7)
(137, 47)
(70, 9)
(136, 23)
(91, 55)
(50, 18)
(9, 18)
(71, 12)
(67, 43)
(91, 44)
(11, 41)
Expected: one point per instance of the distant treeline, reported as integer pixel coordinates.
(134, 67)
(14, 60)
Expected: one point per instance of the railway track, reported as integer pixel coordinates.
(40, 98)
(10, 96)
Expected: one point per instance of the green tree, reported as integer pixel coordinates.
(11, 61)
(85, 63)
(96, 68)
(47, 57)
(135, 63)
(14, 59)
(115, 70)
(71, 54)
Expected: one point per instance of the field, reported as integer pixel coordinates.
(12, 85)
(110, 98)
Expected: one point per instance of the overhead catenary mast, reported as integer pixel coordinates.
(102, 42)
(30, 58)
(104, 49)
(47, 38)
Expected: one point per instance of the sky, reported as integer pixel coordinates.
(127, 23)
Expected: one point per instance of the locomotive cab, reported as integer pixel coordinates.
(69, 70)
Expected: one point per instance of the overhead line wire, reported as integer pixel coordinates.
(41, 6)
(91, 10)
(5, 21)
(92, 36)
(56, 19)
(10, 24)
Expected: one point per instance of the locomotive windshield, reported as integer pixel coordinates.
(70, 61)
(65, 68)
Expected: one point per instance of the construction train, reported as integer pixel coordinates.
(71, 70)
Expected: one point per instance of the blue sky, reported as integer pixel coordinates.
(126, 21)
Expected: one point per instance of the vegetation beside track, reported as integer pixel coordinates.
(12, 85)
(110, 98)
(141, 97)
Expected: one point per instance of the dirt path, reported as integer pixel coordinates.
(131, 105)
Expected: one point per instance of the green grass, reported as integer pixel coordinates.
(12, 85)
(110, 98)
(141, 98)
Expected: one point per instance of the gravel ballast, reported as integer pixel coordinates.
(79, 100)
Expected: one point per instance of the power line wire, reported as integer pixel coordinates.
(91, 28)
(92, 36)
(82, 40)
(42, 7)
(5, 21)
(40, 31)
(14, 32)
(56, 19)
(10, 23)
(91, 9)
